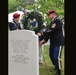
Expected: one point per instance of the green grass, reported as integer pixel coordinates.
(45, 68)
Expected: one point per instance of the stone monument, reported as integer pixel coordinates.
(23, 54)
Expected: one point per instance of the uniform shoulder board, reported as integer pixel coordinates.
(12, 23)
(56, 19)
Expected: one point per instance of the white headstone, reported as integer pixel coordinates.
(23, 54)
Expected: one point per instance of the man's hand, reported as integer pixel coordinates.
(39, 34)
(42, 42)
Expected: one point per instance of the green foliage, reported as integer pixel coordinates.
(49, 5)
(45, 6)
(12, 4)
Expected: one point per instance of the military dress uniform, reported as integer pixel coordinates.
(55, 34)
(14, 25)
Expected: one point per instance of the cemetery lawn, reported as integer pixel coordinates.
(45, 68)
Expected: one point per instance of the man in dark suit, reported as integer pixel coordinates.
(15, 24)
(55, 34)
